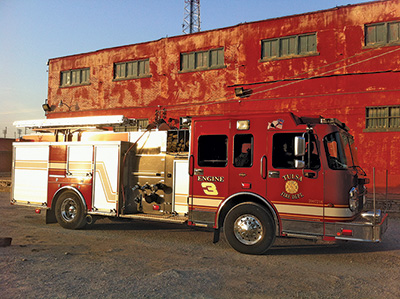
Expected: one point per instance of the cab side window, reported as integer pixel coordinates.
(213, 150)
(243, 150)
(283, 151)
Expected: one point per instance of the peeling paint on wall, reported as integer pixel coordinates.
(340, 80)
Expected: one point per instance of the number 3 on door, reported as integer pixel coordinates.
(209, 188)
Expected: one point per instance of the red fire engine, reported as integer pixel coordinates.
(256, 176)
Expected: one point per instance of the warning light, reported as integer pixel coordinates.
(243, 125)
(156, 207)
(38, 211)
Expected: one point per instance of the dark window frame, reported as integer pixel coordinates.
(286, 47)
(382, 118)
(75, 77)
(202, 60)
(387, 32)
(133, 69)
(140, 124)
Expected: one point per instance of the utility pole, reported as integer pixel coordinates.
(191, 18)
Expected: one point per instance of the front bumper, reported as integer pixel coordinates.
(365, 228)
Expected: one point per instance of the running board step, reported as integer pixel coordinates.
(302, 236)
(158, 218)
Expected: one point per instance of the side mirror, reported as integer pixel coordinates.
(299, 146)
(299, 164)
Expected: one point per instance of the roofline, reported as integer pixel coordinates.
(226, 28)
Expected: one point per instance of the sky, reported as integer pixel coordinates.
(34, 31)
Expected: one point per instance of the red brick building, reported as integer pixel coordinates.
(341, 62)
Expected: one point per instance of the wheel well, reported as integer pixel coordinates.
(51, 213)
(65, 189)
(240, 198)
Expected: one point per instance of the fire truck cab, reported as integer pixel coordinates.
(263, 176)
(255, 176)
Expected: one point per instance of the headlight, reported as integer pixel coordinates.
(353, 199)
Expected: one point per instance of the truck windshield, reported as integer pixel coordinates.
(338, 151)
(350, 150)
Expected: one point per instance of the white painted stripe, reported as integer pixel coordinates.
(314, 211)
(206, 202)
(58, 165)
(32, 165)
(300, 210)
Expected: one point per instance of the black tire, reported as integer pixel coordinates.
(70, 211)
(249, 228)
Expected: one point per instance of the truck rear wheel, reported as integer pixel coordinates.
(70, 211)
(249, 228)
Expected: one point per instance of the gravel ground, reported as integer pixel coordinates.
(134, 259)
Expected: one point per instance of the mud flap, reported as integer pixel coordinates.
(50, 217)
(216, 235)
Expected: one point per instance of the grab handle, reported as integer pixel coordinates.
(263, 167)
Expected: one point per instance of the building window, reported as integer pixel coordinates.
(382, 118)
(75, 77)
(213, 150)
(297, 45)
(382, 34)
(202, 60)
(140, 124)
(132, 69)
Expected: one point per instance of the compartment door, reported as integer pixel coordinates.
(106, 177)
(30, 174)
(181, 187)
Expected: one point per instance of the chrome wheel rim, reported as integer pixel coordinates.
(248, 229)
(68, 209)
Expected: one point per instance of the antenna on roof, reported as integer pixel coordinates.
(191, 18)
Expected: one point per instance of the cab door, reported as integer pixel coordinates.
(297, 193)
(208, 170)
(248, 172)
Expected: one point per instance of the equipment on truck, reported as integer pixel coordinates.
(257, 176)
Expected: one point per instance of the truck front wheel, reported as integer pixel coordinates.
(249, 228)
(70, 211)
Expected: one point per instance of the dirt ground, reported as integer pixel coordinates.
(134, 259)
